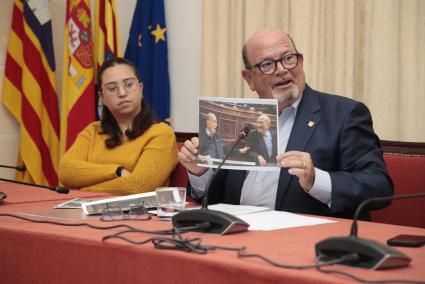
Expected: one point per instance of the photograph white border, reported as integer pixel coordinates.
(234, 163)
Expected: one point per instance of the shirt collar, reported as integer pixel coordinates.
(293, 107)
(209, 133)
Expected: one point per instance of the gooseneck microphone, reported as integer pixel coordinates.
(21, 168)
(371, 254)
(58, 189)
(242, 134)
(219, 222)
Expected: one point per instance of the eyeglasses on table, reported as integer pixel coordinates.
(116, 213)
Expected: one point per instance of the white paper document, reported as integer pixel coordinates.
(237, 210)
(273, 220)
(263, 218)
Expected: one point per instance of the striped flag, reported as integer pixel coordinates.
(106, 41)
(147, 48)
(78, 94)
(29, 90)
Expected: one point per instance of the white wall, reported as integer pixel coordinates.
(9, 132)
(184, 24)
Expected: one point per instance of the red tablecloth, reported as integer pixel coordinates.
(17, 193)
(44, 253)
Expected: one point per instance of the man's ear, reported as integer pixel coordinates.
(301, 60)
(248, 76)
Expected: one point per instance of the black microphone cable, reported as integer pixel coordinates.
(21, 168)
(176, 242)
(58, 189)
(130, 228)
(194, 245)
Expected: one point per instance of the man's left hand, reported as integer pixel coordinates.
(301, 165)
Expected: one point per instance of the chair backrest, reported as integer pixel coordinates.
(179, 176)
(406, 165)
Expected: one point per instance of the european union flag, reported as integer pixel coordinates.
(147, 48)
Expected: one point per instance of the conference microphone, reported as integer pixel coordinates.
(371, 254)
(21, 168)
(219, 222)
(58, 189)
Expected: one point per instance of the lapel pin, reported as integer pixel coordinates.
(310, 123)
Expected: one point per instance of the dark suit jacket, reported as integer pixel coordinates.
(257, 146)
(341, 142)
(211, 145)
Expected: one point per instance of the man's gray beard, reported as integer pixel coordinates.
(291, 97)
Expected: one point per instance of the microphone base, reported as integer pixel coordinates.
(371, 254)
(220, 222)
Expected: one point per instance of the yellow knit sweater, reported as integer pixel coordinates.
(89, 165)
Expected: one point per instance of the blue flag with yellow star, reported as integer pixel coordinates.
(147, 48)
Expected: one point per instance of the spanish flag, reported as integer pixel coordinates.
(78, 94)
(29, 90)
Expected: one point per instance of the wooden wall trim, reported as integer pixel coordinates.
(183, 136)
(406, 148)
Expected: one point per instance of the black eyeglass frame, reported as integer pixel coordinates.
(123, 215)
(280, 60)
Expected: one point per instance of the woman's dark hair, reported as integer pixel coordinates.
(143, 120)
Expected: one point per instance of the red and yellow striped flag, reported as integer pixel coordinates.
(106, 43)
(29, 90)
(78, 94)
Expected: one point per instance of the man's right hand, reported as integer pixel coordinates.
(188, 156)
(243, 150)
(262, 161)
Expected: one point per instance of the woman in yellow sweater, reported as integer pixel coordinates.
(128, 151)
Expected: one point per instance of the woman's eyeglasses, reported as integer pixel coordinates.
(113, 88)
(115, 213)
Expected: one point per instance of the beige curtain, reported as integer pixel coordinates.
(369, 50)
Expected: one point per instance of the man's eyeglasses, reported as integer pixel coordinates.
(113, 88)
(268, 67)
(115, 213)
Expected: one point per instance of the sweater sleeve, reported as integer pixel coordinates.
(76, 172)
(155, 164)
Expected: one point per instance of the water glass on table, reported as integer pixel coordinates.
(170, 200)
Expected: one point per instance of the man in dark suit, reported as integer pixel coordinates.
(261, 143)
(332, 160)
(211, 145)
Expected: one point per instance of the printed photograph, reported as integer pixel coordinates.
(222, 121)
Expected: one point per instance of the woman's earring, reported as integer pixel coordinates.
(100, 107)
